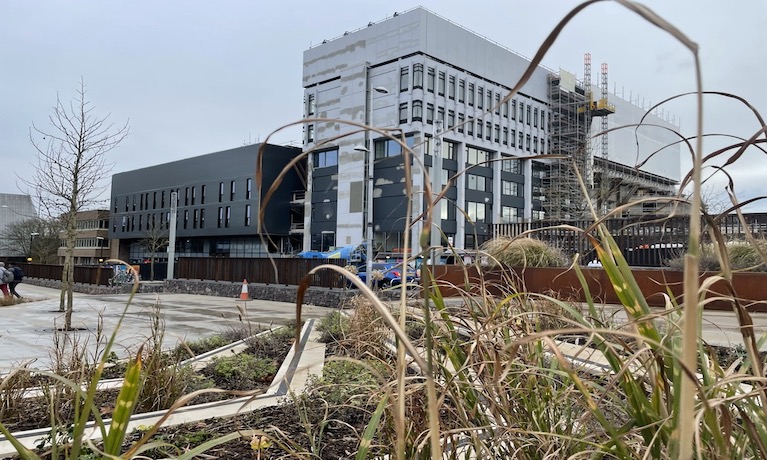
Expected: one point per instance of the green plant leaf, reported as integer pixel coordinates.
(124, 406)
(370, 429)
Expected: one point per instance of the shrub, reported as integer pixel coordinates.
(333, 327)
(742, 255)
(245, 367)
(523, 252)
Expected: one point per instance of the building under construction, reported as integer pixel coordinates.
(589, 171)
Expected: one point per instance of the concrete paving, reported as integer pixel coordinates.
(27, 329)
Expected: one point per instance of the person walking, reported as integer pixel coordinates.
(6, 276)
(18, 277)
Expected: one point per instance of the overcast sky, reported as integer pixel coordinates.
(195, 77)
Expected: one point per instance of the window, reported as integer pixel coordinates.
(505, 136)
(461, 122)
(511, 165)
(231, 190)
(186, 198)
(220, 216)
(471, 94)
(430, 80)
(248, 188)
(476, 156)
(497, 103)
(417, 110)
(538, 215)
(220, 192)
(450, 119)
(311, 105)
(310, 133)
(451, 87)
(326, 158)
(506, 109)
(521, 112)
(247, 215)
(228, 216)
(488, 130)
(489, 99)
(461, 90)
(543, 119)
(134, 203)
(535, 144)
(403, 112)
(476, 211)
(154, 200)
(448, 150)
(186, 219)
(470, 127)
(510, 188)
(417, 76)
(441, 115)
(527, 142)
(509, 214)
(202, 218)
(521, 140)
(497, 133)
(475, 182)
(202, 195)
(404, 78)
(479, 129)
(480, 96)
(196, 218)
(535, 117)
(389, 148)
(429, 113)
(527, 114)
(441, 84)
(162, 198)
(513, 109)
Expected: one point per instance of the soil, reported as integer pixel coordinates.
(21, 414)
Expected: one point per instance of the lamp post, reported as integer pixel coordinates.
(369, 152)
(31, 239)
(172, 234)
(101, 240)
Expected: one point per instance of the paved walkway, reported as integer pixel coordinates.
(26, 329)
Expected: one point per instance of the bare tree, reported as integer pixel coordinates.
(155, 239)
(71, 171)
(35, 238)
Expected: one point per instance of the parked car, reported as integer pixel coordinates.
(392, 274)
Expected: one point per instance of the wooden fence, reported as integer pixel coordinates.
(83, 274)
(266, 271)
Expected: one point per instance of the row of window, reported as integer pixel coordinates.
(92, 224)
(474, 155)
(484, 129)
(190, 219)
(157, 200)
(452, 87)
(89, 243)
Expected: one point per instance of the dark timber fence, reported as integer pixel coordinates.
(265, 271)
(83, 274)
(647, 242)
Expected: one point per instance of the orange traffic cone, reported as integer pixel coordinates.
(244, 293)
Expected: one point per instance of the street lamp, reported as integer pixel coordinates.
(31, 238)
(101, 240)
(368, 151)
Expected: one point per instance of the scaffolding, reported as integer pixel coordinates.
(572, 109)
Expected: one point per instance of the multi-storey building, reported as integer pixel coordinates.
(441, 88)
(91, 239)
(218, 202)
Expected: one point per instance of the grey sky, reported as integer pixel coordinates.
(196, 77)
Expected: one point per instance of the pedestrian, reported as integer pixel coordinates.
(6, 276)
(18, 277)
